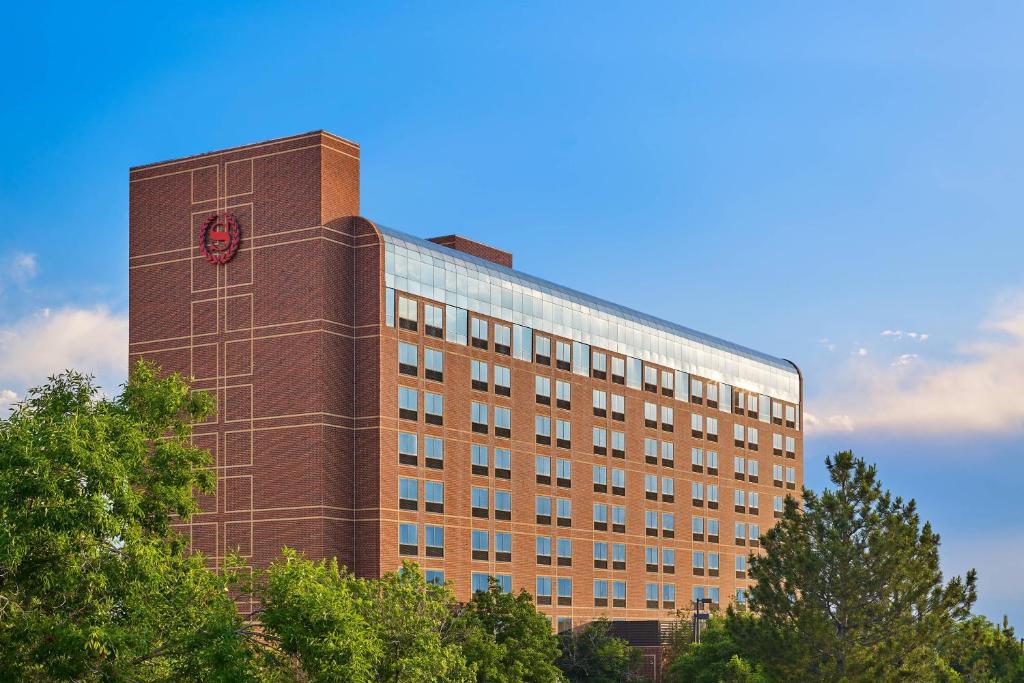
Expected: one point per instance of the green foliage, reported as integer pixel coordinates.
(593, 654)
(93, 583)
(717, 658)
(979, 651)
(850, 589)
(507, 639)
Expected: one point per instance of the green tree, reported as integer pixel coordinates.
(717, 658)
(506, 638)
(593, 654)
(312, 610)
(850, 588)
(94, 584)
(980, 651)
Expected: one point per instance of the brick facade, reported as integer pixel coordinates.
(291, 335)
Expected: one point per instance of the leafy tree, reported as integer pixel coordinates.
(507, 639)
(413, 622)
(850, 589)
(313, 612)
(717, 658)
(593, 654)
(94, 584)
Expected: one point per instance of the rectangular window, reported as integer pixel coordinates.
(618, 408)
(776, 412)
(600, 370)
(502, 504)
(481, 545)
(564, 591)
(712, 425)
(408, 359)
(667, 383)
(543, 429)
(618, 370)
(651, 450)
(698, 559)
(478, 333)
(503, 463)
(433, 451)
(668, 524)
(542, 467)
(752, 470)
(600, 514)
(564, 355)
(668, 453)
(791, 417)
(650, 379)
(389, 307)
(651, 522)
(600, 403)
(600, 441)
(408, 494)
(650, 415)
(713, 561)
(456, 325)
(790, 447)
(479, 415)
(600, 551)
(618, 519)
(433, 496)
(777, 444)
(697, 458)
(668, 489)
(502, 339)
(433, 323)
(502, 381)
(753, 501)
(741, 532)
(564, 510)
(698, 527)
(667, 419)
(433, 364)
(618, 593)
(564, 552)
(697, 425)
(752, 438)
(696, 390)
(408, 403)
(739, 499)
(502, 422)
(433, 538)
(480, 498)
(618, 481)
(764, 410)
(697, 492)
(408, 448)
(668, 595)
(682, 386)
(433, 408)
(712, 496)
(777, 474)
(408, 314)
(563, 394)
(581, 358)
(651, 486)
(502, 546)
(777, 505)
(600, 593)
(618, 555)
(712, 395)
(543, 351)
(564, 434)
(791, 475)
(479, 375)
(712, 530)
(725, 398)
(408, 539)
(542, 389)
(543, 590)
(712, 458)
(618, 444)
(522, 343)
(543, 509)
(739, 465)
(634, 370)
(564, 472)
(543, 550)
(738, 435)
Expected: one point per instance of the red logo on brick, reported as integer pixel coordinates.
(219, 238)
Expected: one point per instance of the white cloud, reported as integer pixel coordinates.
(21, 267)
(7, 399)
(979, 391)
(900, 334)
(827, 343)
(92, 340)
(861, 352)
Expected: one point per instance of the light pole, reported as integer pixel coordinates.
(699, 616)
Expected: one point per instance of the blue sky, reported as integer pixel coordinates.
(801, 179)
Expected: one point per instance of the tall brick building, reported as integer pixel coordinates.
(383, 397)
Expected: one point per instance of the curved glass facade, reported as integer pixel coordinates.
(425, 269)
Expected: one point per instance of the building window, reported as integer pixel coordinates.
(408, 403)
(543, 351)
(618, 481)
(790, 447)
(753, 502)
(791, 417)
(651, 451)
(478, 333)
(667, 419)
(502, 463)
(502, 339)
(481, 582)
(618, 519)
(502, 546)
(618, 593)
(633, 372)
(564, 434)
(542, 467)
(389, 307)
(618, 408)
(600, 363)
(618, 444)
(712, 395)
(434, 541)
(776, 413)
(618, 370)
(433, 407)
(479, 417)
(740, 500)
(433, 451)
(712, 496)
(543, 509)
(651, 486)
(790, 478)
(457, 325)
(433, 364)
(564, 355)
(668, 489)
(651, 379)
(408, 362)
(543, 590)
(480, 499)
(697, 527)
(651, 522)
(697, 459)
(600, 441)
(738, 436)
(600, 403)
(433, 323)
(777, 475)
(753, 470)
(668, 524)
(581, 358)
(502, 422)
(696, 391)
(564, 512)
(618, 556)
(408, 449)
(434, 577)
(739, 466)
(522, 343)
(407, 314)
(408, 494)
(651, 558)
(564, 591)
(712, 425)
(600, 555)
(725, 398)
(713, 527)
(778, 507)
(502, 505)
(668, 454)
(433, 496)
(668, 596)
(741, 533)
(668, 560)
(713, 564)
(543, 390)
(478, 375)
(563, 395)
(651, 593)
(600, 479)
(600, 593)
(697, 425)
(752, 438)
(564, 549)
(543, 545)
(712, 458)
(600, 514)
(481, 545)
(697, 493)
(543, 429)
(502, 381)
(650, 415)
(408, 542)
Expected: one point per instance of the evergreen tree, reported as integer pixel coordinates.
(593, 654)
(850, 588)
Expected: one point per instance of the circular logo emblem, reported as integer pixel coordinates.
(219, 238)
